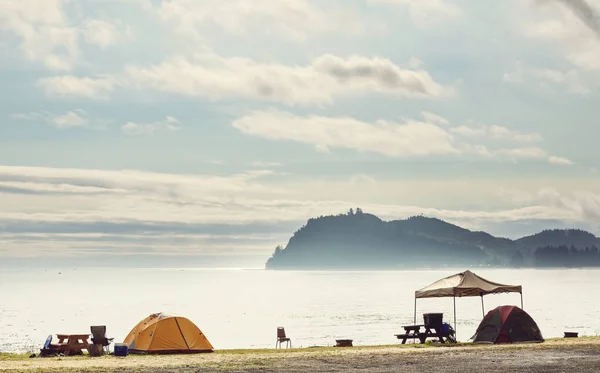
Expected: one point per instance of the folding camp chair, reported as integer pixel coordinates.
(99, 337)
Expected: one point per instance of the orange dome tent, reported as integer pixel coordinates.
(160, 333)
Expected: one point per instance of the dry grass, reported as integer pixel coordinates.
(271, 359)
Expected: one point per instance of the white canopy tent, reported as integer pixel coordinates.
(465, 284)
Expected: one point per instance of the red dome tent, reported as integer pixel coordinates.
(507, 324)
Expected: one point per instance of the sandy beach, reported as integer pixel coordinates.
(557, 355)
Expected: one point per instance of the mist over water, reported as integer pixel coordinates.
(239, 308)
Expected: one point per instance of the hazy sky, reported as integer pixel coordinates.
(218, 127)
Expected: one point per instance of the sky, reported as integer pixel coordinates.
(212, 130)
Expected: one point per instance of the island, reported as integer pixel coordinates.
(359, 240)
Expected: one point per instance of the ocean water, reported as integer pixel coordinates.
(241, 308)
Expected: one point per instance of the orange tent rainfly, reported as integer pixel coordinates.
(160, 333)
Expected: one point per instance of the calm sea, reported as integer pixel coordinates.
(241, 308)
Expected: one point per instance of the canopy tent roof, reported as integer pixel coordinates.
(465, 284)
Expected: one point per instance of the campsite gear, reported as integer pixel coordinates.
(99, 336)
(281, 337)
(343, 343)
(161, 333)
(571, 334)
(47, 349)
(121, 349)
(71, 344)
(465, 284)
(433, 319)
(507, 324)
(415, 332)
(448, 332)
(95, 349)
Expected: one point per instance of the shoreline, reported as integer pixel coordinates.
(554, 355)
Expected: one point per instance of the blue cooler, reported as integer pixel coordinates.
(121, 349)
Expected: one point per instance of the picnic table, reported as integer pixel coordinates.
(71, 344)
(414, 332)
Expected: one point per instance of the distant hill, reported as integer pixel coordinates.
(560, 237)
(359, 240)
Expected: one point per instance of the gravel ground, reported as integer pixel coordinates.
(582, 355)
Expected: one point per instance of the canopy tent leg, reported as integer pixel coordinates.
(482, 308)
(455, 332)
(521, 300)
(415, 318)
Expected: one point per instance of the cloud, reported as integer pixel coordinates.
(261, 164)
(524, 153)
(570, 28)
(101, 33)
(73, 86)
(495, 132)
(149, 129)
(560, 161)
(73, 118)
(378, 74)
(434, 118)
(44, 33)
(423, 12)
(216, 162)
(293, 20)
(585, 12)
(583, 204)
(548, 80)
(408, 138)
(412, 138)
(215, 77)
(49, 31)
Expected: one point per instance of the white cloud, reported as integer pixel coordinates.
(101, 33)
(495, 132)
(261, 164)
(424, 13)
(555, 23)
(73, 118)
(523, 153)
(215, 77)
(550, 80)
(560, 161)
(411, 138)
(289, 19)
(149, 129)
(48, 33)
(585, 205)
(560, 24)
(217, 162)
(44, 33)
(434, 118)
(69, 85)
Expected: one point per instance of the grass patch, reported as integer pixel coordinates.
(4, 356)
(268, 359)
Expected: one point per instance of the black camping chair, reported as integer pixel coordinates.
(99, 336)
